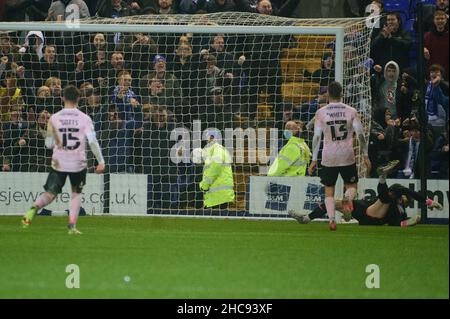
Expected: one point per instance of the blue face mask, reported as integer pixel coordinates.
(287, 134)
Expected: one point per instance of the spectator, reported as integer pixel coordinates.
(172, 88)
(43, 99)
(32, 50)
(50, 66)
(435, 100)
(183, 67)
(116, 66)
(13, 143)
(90, 99)
(286, 112)
(10, 93)
(392, 43)
(442, 5)
(2, 10)
(409, 149)
(225, 60)
(141, 50)
(218, 113)
(214, 6)
(308, 110)
(429, 11)
(157, 94)
(166, 7)
(92, 63)
(43, 91)
(385, 89)
(38, 10)
(54, 84)
(58, 12)
(54, 103)
(35, 156)
(325, 74)
(439, 156)
(124, 97)
(265, 7)
(436, 43)
(260, 60)
(384, 133)
(189, 6)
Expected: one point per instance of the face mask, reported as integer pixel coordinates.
(287, 134)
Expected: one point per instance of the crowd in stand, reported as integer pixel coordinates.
(139, 87)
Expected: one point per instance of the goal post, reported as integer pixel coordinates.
(154, 85)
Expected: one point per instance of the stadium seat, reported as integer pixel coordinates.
(292, 69)
(297, 92)
(400, 6)
(396, 5)
(299, 53)
(264, 112)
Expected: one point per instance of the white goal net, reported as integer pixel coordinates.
(153, 84)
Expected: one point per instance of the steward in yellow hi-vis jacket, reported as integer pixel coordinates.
(294, 157)
(217, 181)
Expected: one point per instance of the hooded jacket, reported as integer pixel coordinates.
(388, 94)
(39, 49)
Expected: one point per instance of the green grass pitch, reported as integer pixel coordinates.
(219, 258)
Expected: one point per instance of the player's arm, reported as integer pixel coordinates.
(418, 196)
(51, 138)
(363, 142)
(96, 150)
(317, 138)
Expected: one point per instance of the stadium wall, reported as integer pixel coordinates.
(267, 197)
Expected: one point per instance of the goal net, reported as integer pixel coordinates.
(153, 85)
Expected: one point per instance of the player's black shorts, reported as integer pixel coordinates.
(56, 181)
(329, 175)
(359, 213)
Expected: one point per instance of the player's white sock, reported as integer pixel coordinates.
(330, 205)
(350, 193)
(42, 201)
(75, 204)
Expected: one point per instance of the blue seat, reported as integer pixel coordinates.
(399, 6)
(396, 5)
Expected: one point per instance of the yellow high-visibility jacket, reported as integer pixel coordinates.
(217, 181)
(292, 160)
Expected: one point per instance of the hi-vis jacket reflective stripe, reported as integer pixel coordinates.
(217, 176)
(292, 160)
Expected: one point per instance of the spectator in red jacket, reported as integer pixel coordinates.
(436, 42)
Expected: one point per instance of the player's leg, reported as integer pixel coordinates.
(380, 208)
(330, 206)
(53, 186)
(319, 212)
(328, 177)
(360, 214)
(77, 181)
(350, 176)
